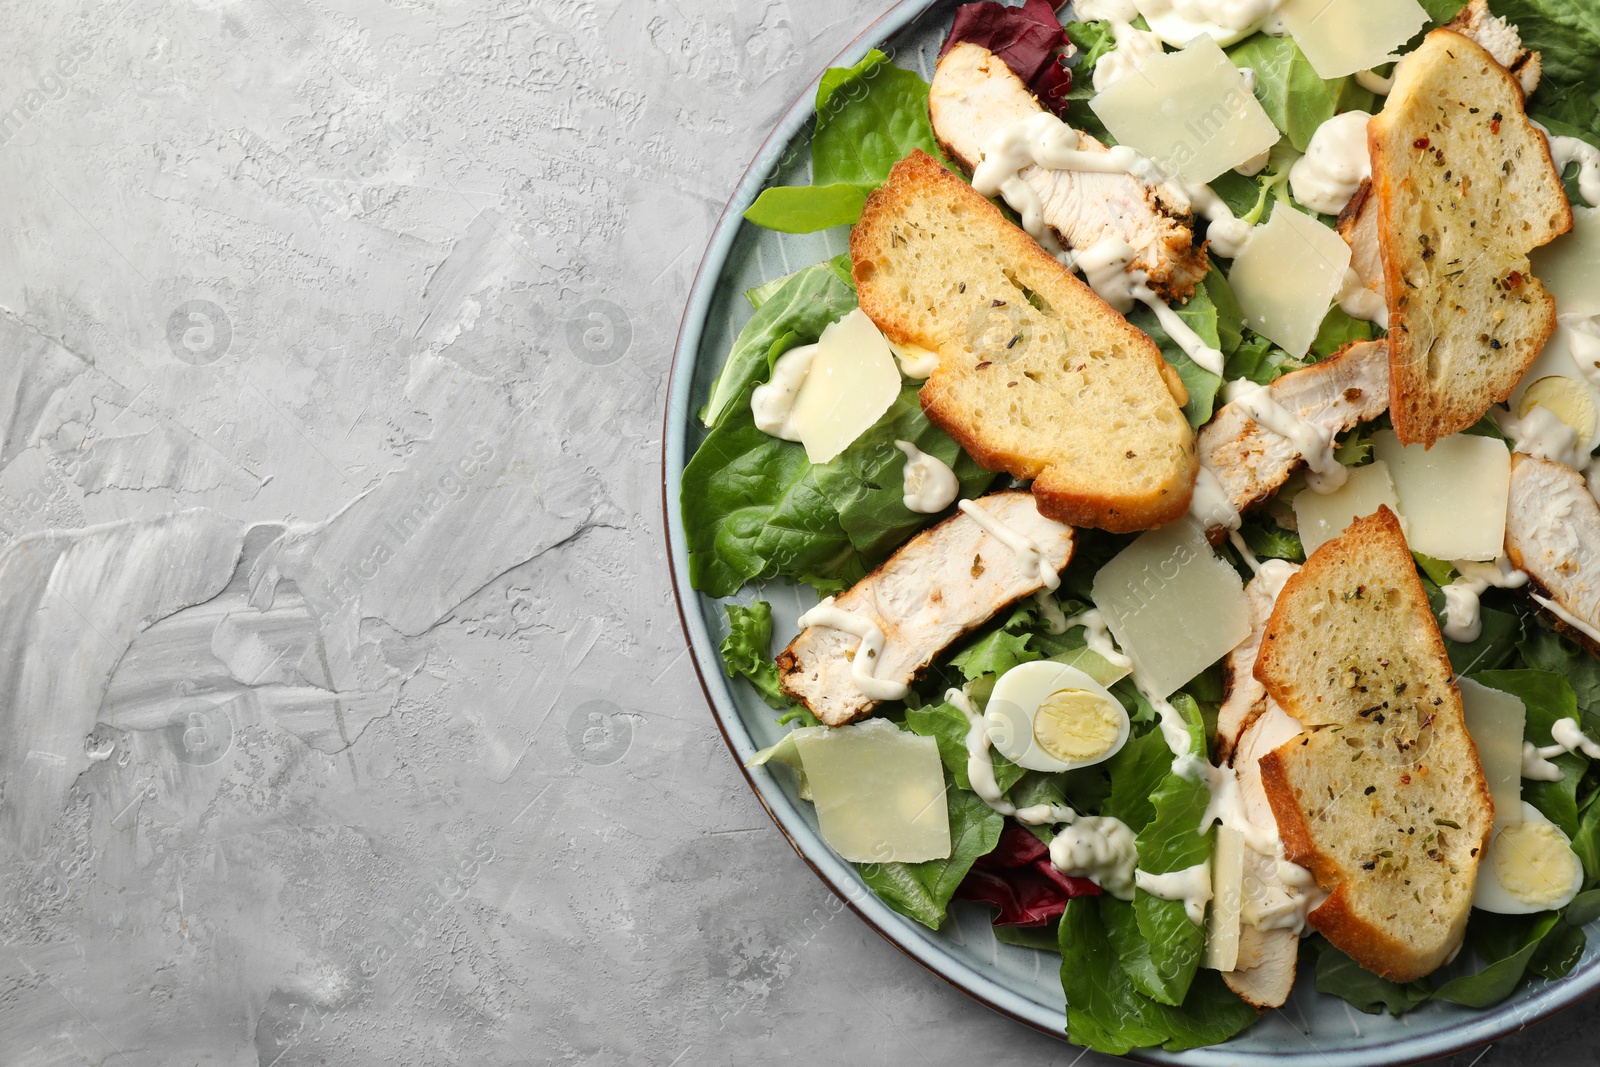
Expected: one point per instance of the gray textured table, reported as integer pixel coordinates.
(366, 733)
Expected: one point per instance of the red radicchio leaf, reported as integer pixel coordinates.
(1028, 38)
(1017, 880)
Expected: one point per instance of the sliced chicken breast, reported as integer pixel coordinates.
(1251, 461)
(1501, 40)
(1265, 972)
(974, 94)
(1247, 698)
(1553, 533)
(1358, 225)
(941, 584)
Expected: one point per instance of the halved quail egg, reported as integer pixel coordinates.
(1046, 716)
(1529, 866)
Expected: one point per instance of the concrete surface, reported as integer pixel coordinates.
(391, 752)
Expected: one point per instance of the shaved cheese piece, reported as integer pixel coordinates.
(852, 381)
(1173, 605)
(1342, 37)
(1287, 276)
(1320, 517)
(1495, 720)
(1569, 266)
(1190, 111)
(1227, 901)
(879, 792)
(1454, 495)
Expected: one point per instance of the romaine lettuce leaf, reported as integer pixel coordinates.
(922, 891)
(1200, 314)
(945, 723)
(1293, 96)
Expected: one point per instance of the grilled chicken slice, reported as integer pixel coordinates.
(1358, 225)
(1553, 533)
(944, 582)
(1247, 698)
(974, 94)
(1500, 39)
(1265, 971)
(1251, 461)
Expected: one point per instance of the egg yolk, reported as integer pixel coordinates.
(1567, 398)
(1074, 724)
(1534, 863)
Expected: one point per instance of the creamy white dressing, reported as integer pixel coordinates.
(1105, 268)
(1542, 434)
(1097, 637)
(1335, 164)
(930, 485)
(1462, 621)
(1240, 546)
(1567, 617)
(1584, 344)
(1181, 21)
(1192, 885)
(1324, 473)
(915, 361)
(868, 652)
(1133, 47)
(1174, 731)
(1227, 234)
(1055, 620)
(1253, 166)
(1043, 140)
(1226, 808)
(1098, 848)
(1359, 302)
(1568, 150)
(1569, 739)
(772, 403)
(1105, 10)
(1373, 82)
(1029, 559)
(1211, 505)
(1185, 338)
(1285, 906)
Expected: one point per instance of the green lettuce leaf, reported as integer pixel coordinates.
(1508, 943)
(948, 727)
(1169, 842)
(1340, 976)
(1547, 651)
(1547, 698)
(865, 483)
(1495, 646)
(1293, 96)
(922, 891)
(807, 208)
(1337, 330)
(1200, 315)
(869, 117)
(1268, 540)
(1565, 32)
(793, 315)
(745, 651)
(1259, 360)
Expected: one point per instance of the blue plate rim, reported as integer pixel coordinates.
(900, 932)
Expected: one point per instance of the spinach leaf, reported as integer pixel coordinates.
(1585, 907)
(1586, 843)
(869, 117)
(807, 208)
(1200, 315)
(795, 314)
(1560, 951)
(745, 651)
(751, 509)
(1565, 32)
(1339, 329)
(1548, 651)
(1341, 976)
(922, 891)
(1044, 938)
(1495, 646)
(865, 482)
(1293, 96)
(1137, 770)
(1442, 11)
(1508, 942)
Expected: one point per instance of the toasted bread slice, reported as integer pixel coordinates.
(1465, 189)
(1382, 798)
(1037, 375)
